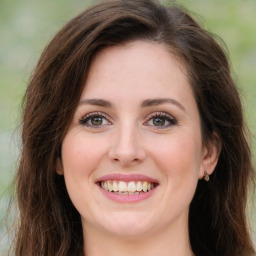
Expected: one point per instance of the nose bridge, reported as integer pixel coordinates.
(126, 145)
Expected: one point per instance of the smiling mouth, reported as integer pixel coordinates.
(127, 188)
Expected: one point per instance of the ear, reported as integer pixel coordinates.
(59, 166)
(210, 155)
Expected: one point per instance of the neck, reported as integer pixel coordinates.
(165, 243)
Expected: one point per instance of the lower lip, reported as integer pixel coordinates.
(127, 198)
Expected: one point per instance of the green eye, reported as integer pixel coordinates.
(159, 121)
(94, 120)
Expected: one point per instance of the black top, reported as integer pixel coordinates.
(201, 250)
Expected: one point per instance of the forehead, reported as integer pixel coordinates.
(141, 63)
(141, 49)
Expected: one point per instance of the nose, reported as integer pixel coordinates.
(126, 147)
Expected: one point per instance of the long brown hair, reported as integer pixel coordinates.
(49, 223)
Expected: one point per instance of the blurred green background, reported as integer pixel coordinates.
(26, 26)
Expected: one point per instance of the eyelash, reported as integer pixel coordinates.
(162, 116)
(88, 118)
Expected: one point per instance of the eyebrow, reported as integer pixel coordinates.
(156, 102)
(96, 102)
(145, 103)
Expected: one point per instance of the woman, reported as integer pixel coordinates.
(133, 140)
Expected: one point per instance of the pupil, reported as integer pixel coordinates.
(158, 121)
(97, 121)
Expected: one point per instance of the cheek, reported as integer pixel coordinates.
(80, 153)
(179, 158)
(184, 152)
(80, 157)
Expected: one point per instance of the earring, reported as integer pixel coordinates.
(206, 176)
(59, 172)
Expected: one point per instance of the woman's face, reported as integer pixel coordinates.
(133, 153)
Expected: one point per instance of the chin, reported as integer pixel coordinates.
(128, 225)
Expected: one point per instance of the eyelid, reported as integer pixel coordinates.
(160, 114)
(172, 119)
(93, 114)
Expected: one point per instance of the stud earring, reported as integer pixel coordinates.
(59, 172)
(206, 176)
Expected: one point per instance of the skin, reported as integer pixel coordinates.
(136, 139)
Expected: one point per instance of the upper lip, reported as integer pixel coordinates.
(126, 177)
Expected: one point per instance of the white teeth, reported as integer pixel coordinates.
(131, 187)
(139, 186)
(145, 186)
(115, 186)
(122, 186)
(127, 188)
(105, 185)
(110, 187)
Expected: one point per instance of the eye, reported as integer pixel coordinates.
(95, 120)
(160, 120)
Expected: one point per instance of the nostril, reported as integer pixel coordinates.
(120, 160)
